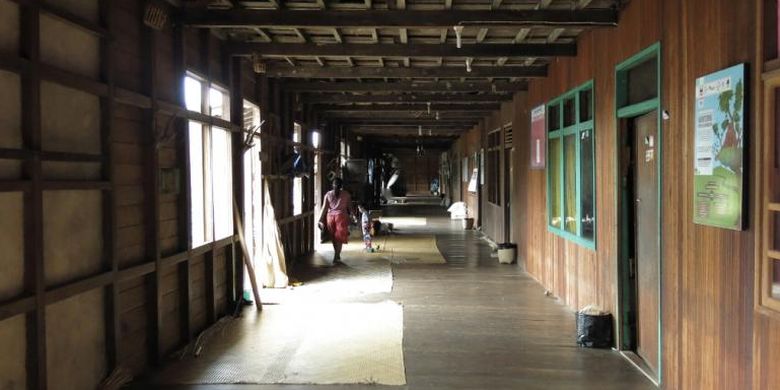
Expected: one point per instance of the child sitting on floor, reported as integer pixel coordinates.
(365, 224)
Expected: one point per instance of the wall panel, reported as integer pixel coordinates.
(10, 109)
(11, 245)
(75, 347)
(70, 120)
(13, 373)
(9, 26)
(72, 235)
(69, 47)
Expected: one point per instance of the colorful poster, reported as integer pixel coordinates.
(538, 137)
(719, 149)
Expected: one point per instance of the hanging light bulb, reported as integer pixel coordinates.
(437, 115)
(430, 132)
(458, 30)
(429, 108)
(468, 64)
(419, 130)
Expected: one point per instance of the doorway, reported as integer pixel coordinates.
(638, 165)
(509, 187)
(253, 194)
(639, 210)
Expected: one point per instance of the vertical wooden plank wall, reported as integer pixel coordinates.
(708, 328)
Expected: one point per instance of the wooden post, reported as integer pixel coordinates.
(33, 203)
(109, 197)
(237, 117)
(151, 195)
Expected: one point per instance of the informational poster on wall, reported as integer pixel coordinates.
(719, 149)
(538, 137)
(473, 182)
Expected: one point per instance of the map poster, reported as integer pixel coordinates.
(538, 139)
(719, 141)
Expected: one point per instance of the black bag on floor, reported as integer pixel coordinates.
(594, 331)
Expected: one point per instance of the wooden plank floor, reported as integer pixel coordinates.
(477, 324)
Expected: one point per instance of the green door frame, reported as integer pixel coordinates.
(623, 110)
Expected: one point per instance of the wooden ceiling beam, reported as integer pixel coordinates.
(403, 116)
(406, 121)
(248, 18)
(343, 72)
(405, 98)
(410, 127)
(403, 50)
(405, 86)
(462, 107)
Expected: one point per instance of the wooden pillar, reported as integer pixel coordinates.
(237, 117)
(109, 197)
(152, 194)
(33, 199)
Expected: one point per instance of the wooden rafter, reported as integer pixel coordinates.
(405, 86)
(460, 107)
(397, 18)
(405, 98)
(351, 72)
(408, 50)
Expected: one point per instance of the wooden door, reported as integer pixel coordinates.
(646, 237)
(508, 193)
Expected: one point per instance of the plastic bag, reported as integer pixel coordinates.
(594, 328)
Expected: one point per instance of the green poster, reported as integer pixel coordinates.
(719, 149)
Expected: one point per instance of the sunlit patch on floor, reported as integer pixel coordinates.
(347, 343)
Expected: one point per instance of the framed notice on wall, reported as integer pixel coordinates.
(473, 182)
(538, 137)
(719, 161)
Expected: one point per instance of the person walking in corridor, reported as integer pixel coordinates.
(335, 215)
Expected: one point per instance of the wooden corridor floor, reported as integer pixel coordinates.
(476, 324)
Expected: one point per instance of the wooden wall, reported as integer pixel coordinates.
(707, 279)
(709, 324)
(418, 171)
(98, 271)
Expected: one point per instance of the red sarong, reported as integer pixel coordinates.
(338, 227)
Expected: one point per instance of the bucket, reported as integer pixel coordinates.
(468, 223)
(506, 253)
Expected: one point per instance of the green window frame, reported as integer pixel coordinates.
(571, 162)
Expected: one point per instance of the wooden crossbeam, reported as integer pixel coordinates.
(405, 86)
(248, 18)
(404, 72)
(405, 98)
(404, 50)
(461, 107)
(407, 126)
(406, 121)
(409, 130)
(400, 116)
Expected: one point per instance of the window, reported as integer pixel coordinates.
(493, 175)
(211, 172)
(769, 150)
(297, 193)
(343, 152)
(571, 194)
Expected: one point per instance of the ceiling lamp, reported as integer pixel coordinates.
(468, 64)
